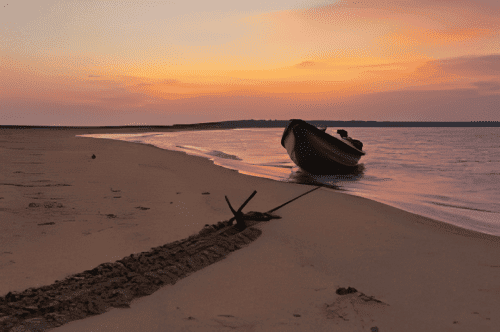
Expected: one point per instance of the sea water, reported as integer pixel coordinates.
(448, 174)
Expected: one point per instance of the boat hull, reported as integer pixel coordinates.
(317, 152)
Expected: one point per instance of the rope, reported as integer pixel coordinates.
(279, 207)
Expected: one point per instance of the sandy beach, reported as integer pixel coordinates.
(63, 212)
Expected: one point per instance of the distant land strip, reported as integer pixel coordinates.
(275, 124)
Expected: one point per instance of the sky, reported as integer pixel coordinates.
(121, 62)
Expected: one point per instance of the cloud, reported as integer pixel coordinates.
(427, 105)
(401, 30)
(306, 64)
(430, 105)
(313, 65)
(169, 81)
(487, 85)
(480, 72)
(482, 65)
(158, 83)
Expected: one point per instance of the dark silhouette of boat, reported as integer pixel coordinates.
(317, 152)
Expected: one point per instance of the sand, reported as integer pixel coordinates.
(62, 212)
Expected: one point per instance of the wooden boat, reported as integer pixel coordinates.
(317, 152)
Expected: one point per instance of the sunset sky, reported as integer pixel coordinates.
(120, 62)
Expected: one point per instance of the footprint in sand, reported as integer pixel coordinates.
(355, 310)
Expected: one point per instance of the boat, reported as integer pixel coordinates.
(317, 152)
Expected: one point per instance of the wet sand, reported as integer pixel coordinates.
(63, 213)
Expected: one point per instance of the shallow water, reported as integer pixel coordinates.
(448, 174)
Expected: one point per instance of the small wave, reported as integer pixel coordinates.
(462, 207)
(192, 148)
(377, 179)
(150, 135)
(275, 165)
(183, 147)
(221, 154)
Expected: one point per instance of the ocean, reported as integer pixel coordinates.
(448, 174)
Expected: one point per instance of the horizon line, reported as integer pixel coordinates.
(235, 122)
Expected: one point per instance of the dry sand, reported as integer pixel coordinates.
(62, 212)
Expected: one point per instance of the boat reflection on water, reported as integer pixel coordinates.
(333, 180)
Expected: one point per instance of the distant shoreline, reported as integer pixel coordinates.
(273, 124)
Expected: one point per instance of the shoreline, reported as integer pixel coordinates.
(324, 241)
(458, 214)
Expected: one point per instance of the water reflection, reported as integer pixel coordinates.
(333, 180)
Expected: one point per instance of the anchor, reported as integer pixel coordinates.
(240, 217)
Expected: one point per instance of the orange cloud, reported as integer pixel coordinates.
(399, 30)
